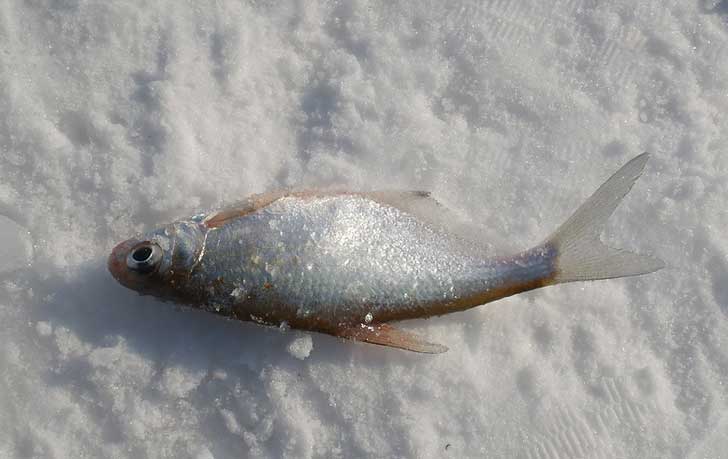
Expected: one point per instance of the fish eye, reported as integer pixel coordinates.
(144, 257)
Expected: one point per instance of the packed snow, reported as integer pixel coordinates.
(117, 117)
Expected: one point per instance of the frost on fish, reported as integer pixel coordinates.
(347, 263)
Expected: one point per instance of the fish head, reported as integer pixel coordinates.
(158, 262)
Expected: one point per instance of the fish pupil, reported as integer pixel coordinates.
(142, 254)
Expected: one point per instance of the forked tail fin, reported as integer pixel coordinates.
(581, 254)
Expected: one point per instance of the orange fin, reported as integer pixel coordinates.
(386, 335)
(249, 205)
(258, 201)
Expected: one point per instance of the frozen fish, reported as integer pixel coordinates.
(351, 263)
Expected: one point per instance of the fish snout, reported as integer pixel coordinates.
(117, 262)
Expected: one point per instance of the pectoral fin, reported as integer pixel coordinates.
(247, 206)
(386, 335)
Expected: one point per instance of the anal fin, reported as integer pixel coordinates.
(386, 335)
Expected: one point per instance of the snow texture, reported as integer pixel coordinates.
(116, 117)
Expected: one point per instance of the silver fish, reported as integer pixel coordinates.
(349, 263)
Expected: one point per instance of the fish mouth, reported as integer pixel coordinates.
(116, 263)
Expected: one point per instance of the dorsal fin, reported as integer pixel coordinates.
(411, 201)
(429, 210)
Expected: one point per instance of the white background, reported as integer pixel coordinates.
(117, 117)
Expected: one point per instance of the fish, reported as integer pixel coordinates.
(350, 263)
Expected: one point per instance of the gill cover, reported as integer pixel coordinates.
(154, 262)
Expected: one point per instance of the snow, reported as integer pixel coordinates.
(301, 347)
(117, 117)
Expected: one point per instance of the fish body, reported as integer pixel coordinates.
(342, 263)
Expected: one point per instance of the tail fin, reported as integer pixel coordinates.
(581, 255)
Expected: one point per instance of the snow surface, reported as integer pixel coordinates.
(119, 116)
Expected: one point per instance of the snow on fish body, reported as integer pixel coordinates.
(347, 263)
